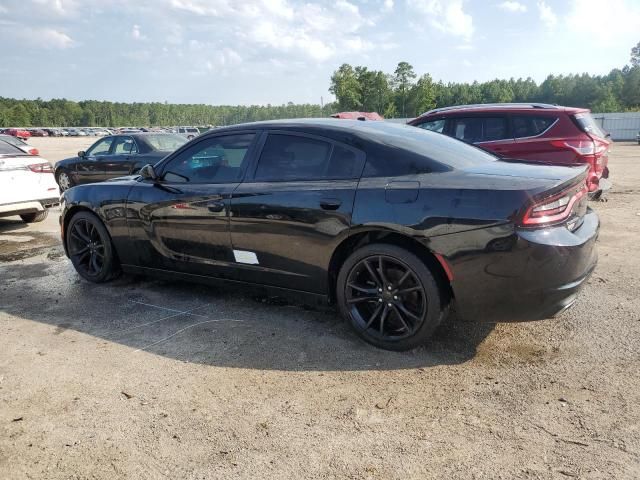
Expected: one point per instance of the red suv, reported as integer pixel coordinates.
(533, 132)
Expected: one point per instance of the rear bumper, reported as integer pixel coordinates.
(534, 275)
(32, 206)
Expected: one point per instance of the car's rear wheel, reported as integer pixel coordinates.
(90, 248)
(34, 217)
(64, 180)
(390, 297)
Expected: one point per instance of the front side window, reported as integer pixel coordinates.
(292, 157)
(125, 146)
(433, 125)
(100, 148)
(214, 160)
(530, 125)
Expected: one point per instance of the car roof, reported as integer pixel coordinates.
(502, 107)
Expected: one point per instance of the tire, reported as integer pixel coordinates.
(411, 317)
(90, 249)
(64, 180)
(34, 217)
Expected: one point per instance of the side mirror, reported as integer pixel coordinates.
(148, 173)
(82, 154)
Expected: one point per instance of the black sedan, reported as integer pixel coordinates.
(393, 224)
(115, 156)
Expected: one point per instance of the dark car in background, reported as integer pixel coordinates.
(115, 156)
(533, 132)
(390, 222)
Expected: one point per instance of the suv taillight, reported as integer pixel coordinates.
(553, 209)
(34, 151)
(40, 168)
(581, 147)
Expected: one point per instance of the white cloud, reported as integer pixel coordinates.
(387, 6)
(589, 19)
(448, 16)
(514, 7)
(546, 14)
(136, 34)
(47, 38)
(57, 7)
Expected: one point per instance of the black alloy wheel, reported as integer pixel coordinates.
(390, 297)
(90, 249)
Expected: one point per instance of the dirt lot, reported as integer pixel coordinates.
(147, 379)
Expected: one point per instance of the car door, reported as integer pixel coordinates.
(293, 210)
(121, 158)
(489, 132)
(180, 222)
(90, 168)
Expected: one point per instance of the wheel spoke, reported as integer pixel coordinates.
(80, 252)
(383, 277)
(83, 236)
(407, 312)
(409, 290)
(374, 315)
(401, 318)
(372, 272)
(361, 299)
(94, 263)
(406, 275)
(365, 290)
(382, 318)
(83, 256)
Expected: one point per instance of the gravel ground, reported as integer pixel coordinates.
(145, 379)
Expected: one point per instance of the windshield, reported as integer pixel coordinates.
(165, 142)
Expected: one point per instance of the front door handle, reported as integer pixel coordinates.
(215, 206)
(330, 203)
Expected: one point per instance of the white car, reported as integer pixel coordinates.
(27, 185)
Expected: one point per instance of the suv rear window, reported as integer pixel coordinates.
(433, 125)
(587, 123)
(530, 125)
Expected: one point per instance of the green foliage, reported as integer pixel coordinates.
(396, 94)
(66, 113)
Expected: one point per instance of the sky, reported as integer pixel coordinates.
(276, 51)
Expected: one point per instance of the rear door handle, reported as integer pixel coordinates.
(330, 203)
(215, 206)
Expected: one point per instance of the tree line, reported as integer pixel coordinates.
(404, 94)
(398, 94)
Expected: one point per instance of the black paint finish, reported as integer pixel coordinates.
(446, 200)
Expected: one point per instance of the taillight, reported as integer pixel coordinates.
(40, 168)
(34, 151)
(581, 147)
(554, 209)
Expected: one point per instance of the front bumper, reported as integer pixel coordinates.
(528, 275)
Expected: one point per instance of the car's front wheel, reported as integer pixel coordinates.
(34, 217)
(64, 181)
(90, 248)
(390, 297)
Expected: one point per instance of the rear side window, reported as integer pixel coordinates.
(530, 125)
(292, 157)
(480, 129)
(6, 149)
(433, 125)
(588, 124)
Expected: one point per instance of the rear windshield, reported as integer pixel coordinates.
(165, 142)
(6, 149)
(588, 124)
(12, 140)
(436, 147)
